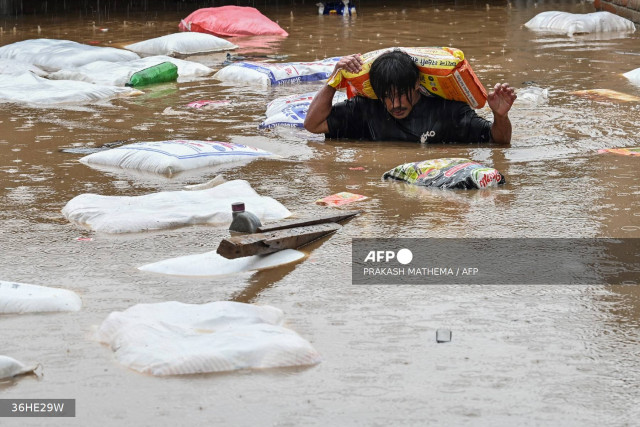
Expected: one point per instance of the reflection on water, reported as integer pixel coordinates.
(547, 355)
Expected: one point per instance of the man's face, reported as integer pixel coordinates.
(400, 106)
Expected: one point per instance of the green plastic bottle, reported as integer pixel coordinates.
(161, 73)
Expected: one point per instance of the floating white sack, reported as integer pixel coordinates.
(119, 73)
(292, 110)
(28, 88)
(54, 55)
(173, 338)
(15, 68)
(181, 44)
(24, 298)
(633, 76)
(10, 368)
(262, 73)
(171, 157)
(170, 209)
(212, 264)
(574, 23)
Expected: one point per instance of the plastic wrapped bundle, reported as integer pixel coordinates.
(575, 23)
(447, 173)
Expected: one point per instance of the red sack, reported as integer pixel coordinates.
(231, 21)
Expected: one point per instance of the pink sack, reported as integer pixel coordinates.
(231, 21)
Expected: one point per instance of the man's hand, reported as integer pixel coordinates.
(320, 107)
(350, 63)
(501, 99)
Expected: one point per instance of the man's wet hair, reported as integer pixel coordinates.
(393, 73)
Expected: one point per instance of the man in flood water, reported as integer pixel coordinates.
(402, 112)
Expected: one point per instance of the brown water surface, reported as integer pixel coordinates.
(540, 355)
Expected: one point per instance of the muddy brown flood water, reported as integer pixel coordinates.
(520, 355)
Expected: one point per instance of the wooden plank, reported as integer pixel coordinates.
(273, 241)
(333, 217)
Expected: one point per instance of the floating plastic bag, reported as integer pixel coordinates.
(161, 73)
(30, 89)
(633, 76)
(15, 68)
(10, 368)
(532, 96)
(171, 157)
(265, 74)
(575, 23)
(291, 110)
(24, 298)
(170, 209)
(212, 264)
(173, 338)
(119, 73)
(54, 55)
(230, 21)
(181, 44)
(340, 199)
(443, 72)
(447, 173)
(632, 151)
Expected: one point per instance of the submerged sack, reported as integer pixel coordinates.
(576, 23)
(443, 72)
(170, 157)
(447, 173)
(230, 21)
(181, 44)
(266, 74)
(291, 110)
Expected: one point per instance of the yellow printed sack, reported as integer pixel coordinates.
(443, 72)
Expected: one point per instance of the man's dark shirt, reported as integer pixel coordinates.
(432, 120)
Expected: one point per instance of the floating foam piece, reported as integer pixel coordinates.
(633, 76)
(170, 209)
(576, 23)
(119, 73)
(171, 157)
(173, 338)
(606, 94)
(266, 74)
(447, 173)
(291, 110)
(15, 68)
(24, 298)
(10, 368)
(212, 264)
(181, 44)
(54, 55)
(28, 88)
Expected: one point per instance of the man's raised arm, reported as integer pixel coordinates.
(316, 120)
(500, 102)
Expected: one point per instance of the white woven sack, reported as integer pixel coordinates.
(271, 74)
(173, 338)
(575, 23)
(25, 298)
(15, 68)
(28, 88)
(181, 44)
(54, 55)
(171, 157)
(119, 73)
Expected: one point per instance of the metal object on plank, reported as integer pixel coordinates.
(273, 241)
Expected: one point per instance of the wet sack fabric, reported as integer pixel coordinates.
(173, 338)
(272, 74)
(576, 23)
(447, 173)
(181, 44)
(290, 111)
(25, 298)
(231, 21)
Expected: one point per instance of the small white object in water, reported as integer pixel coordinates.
(10, 368)
(532, 95)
